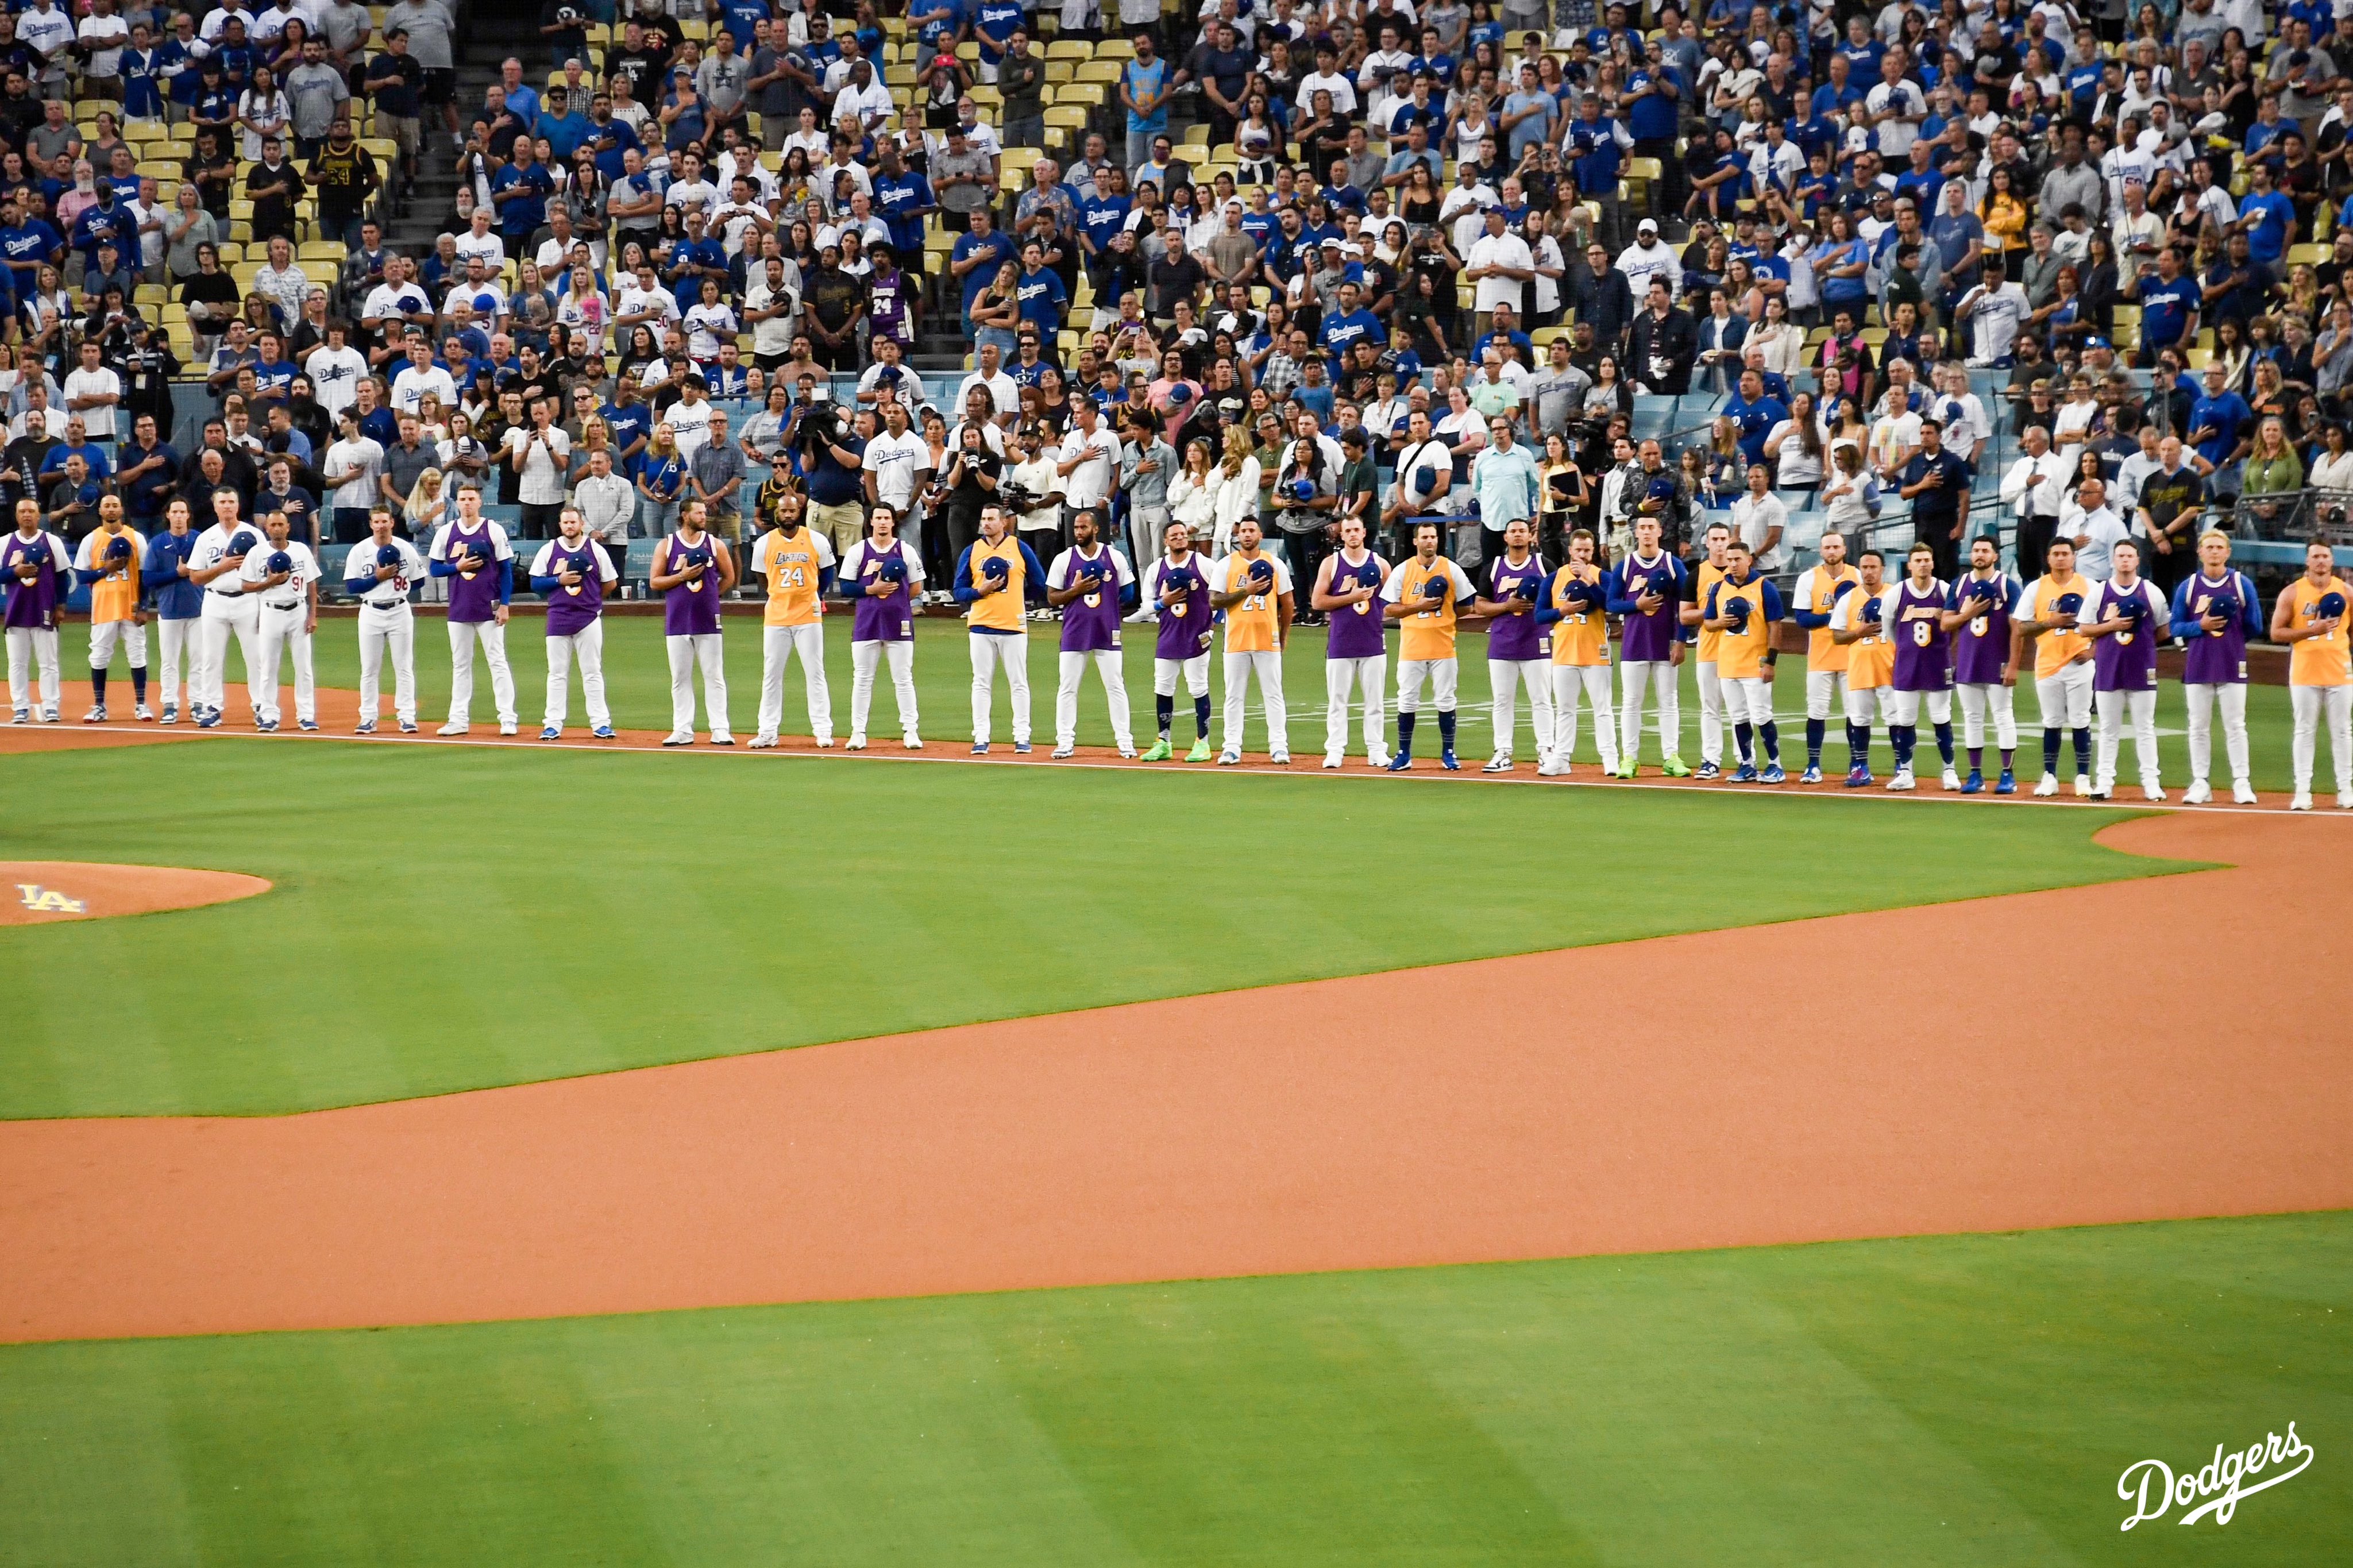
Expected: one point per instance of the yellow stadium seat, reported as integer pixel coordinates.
(1060, 118)
(1099, 71)
(1062, 49)
(330, 250)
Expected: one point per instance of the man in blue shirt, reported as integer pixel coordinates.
(1838, 88)
(1144, 92)
(994, 22)
(2169, 303)
(628, 422)
(520, 190)
(1936, 483)
(1755, 413)
(1043, 299)
(26, 243)
(903, 199)
(2219, 423)
(2268, 218)
(1351, 323)
(566, 129)
(1652, 96)
(1105, 214)
(978, 253)
(1597, 148)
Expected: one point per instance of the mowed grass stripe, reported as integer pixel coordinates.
(1962, 1400)
(453, 918)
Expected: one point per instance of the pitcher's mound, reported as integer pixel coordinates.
(38, 893)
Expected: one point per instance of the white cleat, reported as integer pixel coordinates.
(2244, 793)
(1333, 762)
(506, 726)
(911, 742)
(1902, 780)
(2197, 794)
(143, 713)
(2152, 792)
(825, 742)
(2048, 787)
(1501, 763)
(1279, 759)
(1062, 751)
(453, 729)
(761, 743)
(721, 738)
(2345, 800)
(678, 738)
(1228, 759)
(96, 715)
(2083, 784)
(2301, 803)
(855, 743)
(49, 715)
(1951, 781)
(1127, 753)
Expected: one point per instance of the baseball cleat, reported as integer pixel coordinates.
(1902, 780)
(911, 742)
(453, 728)
(308, 726)
(49, 715)
(2048, 787)
(825, 744)
(2345, 800)
(1501, 763)
(171, 714)
(209, 721)
(1951, 781)
(2098, 795)
(1551, 770)
(855, 743)
(551, 732)
(1628, 771)
(1201, 752)
(1161, 751)
(721, 738)
(601, 733)
(1708, 771)
(143, 713)
(2301, 803)
(2083, 784)
(2197, 794)
(1062, 751)
(1744, 773)
(2244, 793)
(408, 726)
(980, 748)
(1449, 761)
(1811, 775)
(762, 743)
(1020, 748)
(1379, 763)
(1127, 754)
(1228, 759)
(1858, 776)
(1974, 784)
(678, 738)
(1333, 761)
(506, 726)
(1401, 763)
(2007, 784)
(1279, 759)
(2152, 792)
(267, 726)
(1675, 768)
(96, 715)
(367, 728)
(1774, 774)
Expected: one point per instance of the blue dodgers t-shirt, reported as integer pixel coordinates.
(1042, 295)
(526, 212)
(33, 242)
(1756, 421)
(626, 426)
(895, 197)
(1101, 217)
(1340, 332)
(995, 22)
(2268, 239)
(996, 246)
(1653, 117)
(2227, 415)
(2166, 308)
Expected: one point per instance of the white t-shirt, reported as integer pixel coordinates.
(1504, 249)
(1090, 483)
(365, 456)
(893, 461)
(489, 247)
(410, 386)
(705, 326)
(98, 421)
(335, 376)
(1003, 391)
(547, 466)
(690, 422)
(1995, 319)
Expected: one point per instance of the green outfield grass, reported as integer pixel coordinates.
(1967, 1401)
(428, 900)
(637, 672)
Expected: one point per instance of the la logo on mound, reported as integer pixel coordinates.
(47, 902)
(2152, 1486)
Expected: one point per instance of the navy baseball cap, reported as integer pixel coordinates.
(388, 554)
(282, 561)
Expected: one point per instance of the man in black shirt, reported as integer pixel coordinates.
(273, 187)
(643, 57)
(1175, 276)
(344, 174)
(1936, 483)
(1663, 344)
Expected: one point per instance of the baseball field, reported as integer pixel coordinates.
(571, 1153)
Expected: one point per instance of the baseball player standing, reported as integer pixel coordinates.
(2049, 611)
(217, 566)
(693, 570)
(2310, 619)
(473, 553)
(1810, 602)
(1518, 654)
(573, 572)
(1915, 618)
(282, 577)
(1646, 589)
(883, 574)
(2214, 615)
(1347, 592)
(1704, 578)
(1742, 609)
(111, 560)
(1091, 584)
(798, 564)
(1980, 612)
(1576, 609)
(1420, 595)
(1177, 587)
(378, 573)
(33, 562)
(2126, 618)
(1254, 591)
(995, 578)
(1859, 625)
(178, 603)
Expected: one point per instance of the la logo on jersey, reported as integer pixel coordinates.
(47, 902)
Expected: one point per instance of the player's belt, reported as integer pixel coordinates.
(384, 604)
(228, 592)
(289, 605)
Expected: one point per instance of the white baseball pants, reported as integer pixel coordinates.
(1637, 678)
(1346, 680)
(586, 647)
(1904, 707)
(1748, 699)
(1504, 678)
(709, 650)
(1268, 667)
(1867, 705)
(779, 645)
(104, 636)
(1114, 670)
(1441, 673)
(1825, 693)
(223, 615)
(382, 631)
(1711, 713)
(2115, 708)
(1009, 653)
(2065, 698)
(1196, 671)
(179, 651)
(2202, 697)
(1975, 703)
(279, 633)
(1592, 681)
(864, 659)
(2310, 705)
(30, 647)
(492, 638)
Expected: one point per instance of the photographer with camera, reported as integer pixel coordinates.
(832, 461)
(968, 483)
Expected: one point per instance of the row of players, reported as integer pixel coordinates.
(1880, 650)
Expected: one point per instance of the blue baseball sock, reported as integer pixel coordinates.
(1901, 737)
(1446, 730)
(1944, 744)
(2050, 751)
(1164, 710)
(98, 686)
(1740, 734)
(1405, 734)
(1815, 730)
(139, 683)
(2084, 749)
(1858, 745)
(1201, 716)
(1770, 733)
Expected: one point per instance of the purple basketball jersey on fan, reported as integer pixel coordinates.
(473, 596)
(885, 619)
(1648, 638)
(691, 609)
(1185, 627)
(1515, 637)
(1981, 647)
(32, 606)
(1355, 632)
(2217, 659)
(573, 610)
(1090, 621)
(1923, 652)
(2126, 661)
